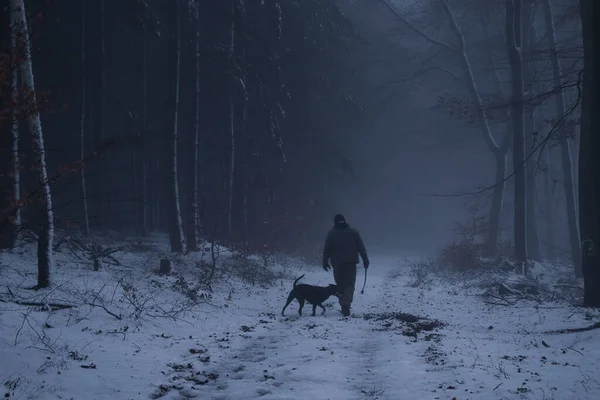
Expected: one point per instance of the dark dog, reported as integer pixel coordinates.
(315, 295)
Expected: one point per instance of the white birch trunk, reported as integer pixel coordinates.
(46, 233)
(180, 238)
(470, 84)
(86, 219)
(563, 140)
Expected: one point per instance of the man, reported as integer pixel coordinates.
(342, 246)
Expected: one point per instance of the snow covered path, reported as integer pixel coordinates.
(323, 357)
(242, 348)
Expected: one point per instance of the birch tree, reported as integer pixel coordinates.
(514, 40)
(563, 140)
(461, 56)
(45, 218)
(176, 224)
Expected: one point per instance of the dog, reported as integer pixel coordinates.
(314, 295)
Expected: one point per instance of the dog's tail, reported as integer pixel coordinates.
(297, 279)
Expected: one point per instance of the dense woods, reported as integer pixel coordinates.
(236, 121)
(212, 119)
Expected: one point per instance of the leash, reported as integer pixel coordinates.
(364, 284)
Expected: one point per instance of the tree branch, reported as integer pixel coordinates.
(416, 30)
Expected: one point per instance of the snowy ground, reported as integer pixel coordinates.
(240, 347)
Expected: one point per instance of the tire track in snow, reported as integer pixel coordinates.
(392, 365)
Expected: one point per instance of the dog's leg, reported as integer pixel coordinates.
(314, 309)
(301, 301)
(289, 300)
(323, 307)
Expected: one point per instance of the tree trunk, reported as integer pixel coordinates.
(14, 95)
(549, 186)
(499, 151)
(194, 241)
(10, 172)
(589, 164)
(496, 207)
(86, 218)
(46, 217)
(104, 186)
(143, 157)
(500, 156)
(563, 141)
(529, 39)
(176, 223)
(231, 172)
(246, 141)
(514, 35)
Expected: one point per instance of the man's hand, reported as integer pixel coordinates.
(326, 267)
(366, 263)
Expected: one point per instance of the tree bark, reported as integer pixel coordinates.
(589, 164)
(46, 217)
(10, 169)
(549, 187)
(86, 218)
(194, 241)
(497, 202)
(176, 223)
(231, 171)
(144, 158)
(104, 187)
(563, 141)
(14, 95)
(529, 40)
(514, 14)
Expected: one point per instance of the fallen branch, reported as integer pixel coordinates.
(575, 330)
(45, 306)
(117, 316)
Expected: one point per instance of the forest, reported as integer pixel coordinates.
(169, 167)
(234, 121)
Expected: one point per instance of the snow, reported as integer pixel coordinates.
(238, 346)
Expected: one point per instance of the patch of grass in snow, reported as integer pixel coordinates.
(407, 324)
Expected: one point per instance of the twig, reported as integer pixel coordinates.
(575, 330)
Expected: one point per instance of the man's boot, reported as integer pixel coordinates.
(346, 310)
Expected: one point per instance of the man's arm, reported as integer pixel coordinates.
(362, 250)
(327, 249)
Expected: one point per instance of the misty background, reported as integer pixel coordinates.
(337, 107)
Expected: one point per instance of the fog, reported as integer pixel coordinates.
(360, 107)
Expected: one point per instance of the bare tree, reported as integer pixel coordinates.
(143, 155)
(231, 169)
(459, 51)
(86, 217)
(177, 236)
(194, 241)
(563, 140)
(514, 40)
(529, 38)
(20, 30)
(589, 165)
